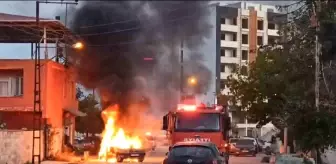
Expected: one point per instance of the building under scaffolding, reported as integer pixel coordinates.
(39, 76)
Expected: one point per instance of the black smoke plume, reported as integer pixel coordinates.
(132, 49)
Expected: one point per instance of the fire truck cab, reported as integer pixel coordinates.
(198, 123)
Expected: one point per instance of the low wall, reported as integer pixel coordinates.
(290, 159)
(16, 146)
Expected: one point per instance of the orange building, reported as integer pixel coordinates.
(58, 95)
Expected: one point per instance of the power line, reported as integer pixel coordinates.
(131, 20)
(119, 31)
(130, 42)
(139, 27)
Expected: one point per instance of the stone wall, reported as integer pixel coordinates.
(16, 146)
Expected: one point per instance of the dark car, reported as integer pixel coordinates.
(245, 147)
(195, 153)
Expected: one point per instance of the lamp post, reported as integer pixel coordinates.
(192, 81)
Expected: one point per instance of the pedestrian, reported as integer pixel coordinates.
(275, 149)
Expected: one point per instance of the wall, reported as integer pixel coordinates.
(16, 146)
(26, 101)
(60, 93)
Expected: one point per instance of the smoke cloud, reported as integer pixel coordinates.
(132, 50)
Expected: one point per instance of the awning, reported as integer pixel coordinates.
(75, 112)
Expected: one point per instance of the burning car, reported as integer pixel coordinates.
(117, 145)
(120, 154)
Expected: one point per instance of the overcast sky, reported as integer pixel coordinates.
(27, 8)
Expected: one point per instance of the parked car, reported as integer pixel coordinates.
(232, 143)
(255, 142)
(195, 152)
(245, 147)
(91, 144)
(83, 144)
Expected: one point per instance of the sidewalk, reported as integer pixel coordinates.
(58, 162)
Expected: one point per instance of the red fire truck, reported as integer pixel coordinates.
(198, 123)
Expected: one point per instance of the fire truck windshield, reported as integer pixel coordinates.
(196, 122)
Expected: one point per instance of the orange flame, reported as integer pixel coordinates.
(113, 139)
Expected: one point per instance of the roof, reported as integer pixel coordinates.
(24, 29)
(194, 143)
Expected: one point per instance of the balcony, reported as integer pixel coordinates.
(224, 75)
(249, 125)
(230, 44)
(272, 32)
(230, 28)
(225, 59)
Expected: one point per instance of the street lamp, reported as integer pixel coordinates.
(192, 80)
(78, 45)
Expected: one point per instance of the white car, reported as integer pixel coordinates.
(151, 140)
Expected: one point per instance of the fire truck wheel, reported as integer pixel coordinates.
(141, 159)
(119, 159)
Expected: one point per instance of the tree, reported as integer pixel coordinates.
(79, 93)
(280, 87)
(92, 122)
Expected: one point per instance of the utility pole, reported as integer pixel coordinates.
(182, 77)
(316, 10)
(37, 114)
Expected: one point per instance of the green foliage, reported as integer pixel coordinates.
(92, 123)
(280, 87)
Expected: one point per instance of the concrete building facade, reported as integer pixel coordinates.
(58, 99)
(240, 29)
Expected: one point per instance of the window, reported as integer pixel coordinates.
(209, 122)
(245, 39)
(260, 25)
(234, 53)
(222, 68)
(222, 84)
(259, 40)
(17, 87)
(271, 26)
(4, 88)
(245, 23)
(244, 54)
(234, 21)
(199, 152)
(244, 70)
(222, 36)
(222, 20)
(11, 86)
(234, 36)
(222, 52)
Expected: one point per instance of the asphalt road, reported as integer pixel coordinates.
(157, 156)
